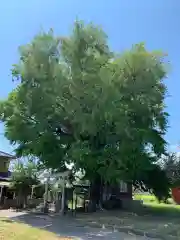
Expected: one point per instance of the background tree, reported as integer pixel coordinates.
(78, 102)
(155, 181)
(171, 165)
(24, 177)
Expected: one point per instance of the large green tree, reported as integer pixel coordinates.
(77, 101)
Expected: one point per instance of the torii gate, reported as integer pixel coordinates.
(61, 176)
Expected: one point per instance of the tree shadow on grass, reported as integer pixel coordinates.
(161, 210)
(66, 226)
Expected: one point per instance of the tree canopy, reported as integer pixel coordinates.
(79, 102)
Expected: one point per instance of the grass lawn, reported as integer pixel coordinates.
(16, 231)
(161, 209)
(145, 198)
(150, 198)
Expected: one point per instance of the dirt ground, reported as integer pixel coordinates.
(166, 227)
(66, 226)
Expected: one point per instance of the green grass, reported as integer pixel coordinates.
(162, 210)
(150, 198)
(145, 198)
(10, 230)
(152, 206)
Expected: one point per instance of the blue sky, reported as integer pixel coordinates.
(126, 22)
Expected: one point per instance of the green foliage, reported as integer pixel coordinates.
(171, 166)
(120, 125)
(31, 112)
(155, 181)
(24, 176)
(79, 102)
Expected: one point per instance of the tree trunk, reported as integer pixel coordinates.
(95, 192)
(20, 200)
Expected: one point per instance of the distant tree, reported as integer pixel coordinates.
(171, 166)
(24, 177)
(155, 181)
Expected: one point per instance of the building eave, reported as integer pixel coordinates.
(6, 155)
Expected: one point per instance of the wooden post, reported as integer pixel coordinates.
(63, 197)
(1, 193)
(32, 191)
(46, 196)
(72, 202)
(76, 204)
